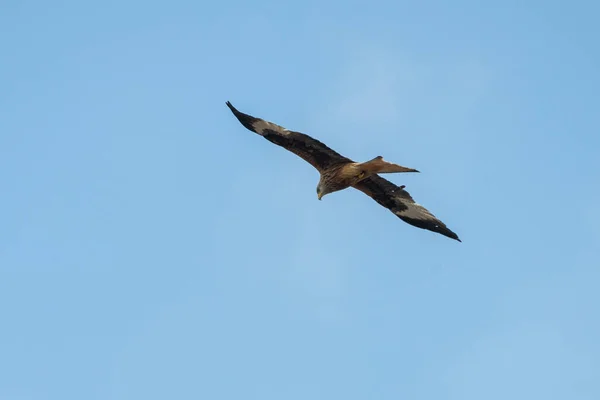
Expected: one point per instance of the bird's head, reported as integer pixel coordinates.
(322, 190)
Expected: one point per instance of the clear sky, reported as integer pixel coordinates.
(153, 248)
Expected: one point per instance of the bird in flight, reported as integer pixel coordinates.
(339, 172)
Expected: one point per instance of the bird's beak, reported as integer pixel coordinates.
(319, 196)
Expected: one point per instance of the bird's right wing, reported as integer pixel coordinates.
(400, 202)
(311, 150)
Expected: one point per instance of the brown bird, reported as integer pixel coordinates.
(339, 172)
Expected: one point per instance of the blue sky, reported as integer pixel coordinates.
(151, 247)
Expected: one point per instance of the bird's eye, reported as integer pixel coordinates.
(318, 190)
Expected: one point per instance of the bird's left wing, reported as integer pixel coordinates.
(400, 202)
(310, 149)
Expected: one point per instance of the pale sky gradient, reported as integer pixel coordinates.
(153, 248)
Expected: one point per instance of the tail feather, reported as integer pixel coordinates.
(379, 166)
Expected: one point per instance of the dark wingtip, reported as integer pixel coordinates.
(232, 108)
(431, 225)
(244, 119)
(448, 233)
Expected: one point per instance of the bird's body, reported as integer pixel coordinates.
(344, 175)
(338, 177)
(339, 172)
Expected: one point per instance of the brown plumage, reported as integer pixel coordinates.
(339, 172)
(343, 175)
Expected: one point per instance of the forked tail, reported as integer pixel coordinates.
(379, 166)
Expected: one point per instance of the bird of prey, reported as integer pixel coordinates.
(338, 173)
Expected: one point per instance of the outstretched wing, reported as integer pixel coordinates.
(399, 201)
(316, 153)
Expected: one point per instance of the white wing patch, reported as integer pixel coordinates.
(260, 126)
(415, 211)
